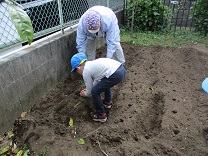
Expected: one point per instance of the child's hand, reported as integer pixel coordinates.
(82, 93)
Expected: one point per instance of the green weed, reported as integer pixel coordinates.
(45, 151)
(81, 82)
(179, 38)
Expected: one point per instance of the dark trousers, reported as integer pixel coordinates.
(105, 86)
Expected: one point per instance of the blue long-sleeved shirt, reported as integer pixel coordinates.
(109, 28)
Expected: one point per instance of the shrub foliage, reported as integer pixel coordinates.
(201, 16)
(147, 15)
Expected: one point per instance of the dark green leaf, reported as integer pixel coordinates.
(156, 13)
(150, 23)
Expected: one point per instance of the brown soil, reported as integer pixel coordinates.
(159, 109)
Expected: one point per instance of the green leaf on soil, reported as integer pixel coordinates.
(21, 22)
(4, 149)
(45, 151)
(19, 153)
(81, 141)
(71, 122)
(26, 153)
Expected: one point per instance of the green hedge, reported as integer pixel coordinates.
(147, 15)
(201, 16)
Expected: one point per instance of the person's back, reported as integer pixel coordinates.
(99, 22)
(97, 69)
(101, 67)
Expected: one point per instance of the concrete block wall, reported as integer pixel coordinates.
(31, 72)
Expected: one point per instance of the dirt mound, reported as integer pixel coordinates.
(159, 109)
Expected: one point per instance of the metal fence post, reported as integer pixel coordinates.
(60, 15)
(108, 4)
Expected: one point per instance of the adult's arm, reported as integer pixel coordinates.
(81, 38)
(111, 40)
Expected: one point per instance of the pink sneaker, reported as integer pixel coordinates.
(107, 104)
(97, 117)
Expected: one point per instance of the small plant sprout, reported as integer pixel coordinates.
(81, 141)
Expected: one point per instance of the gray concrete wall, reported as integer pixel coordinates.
(28, 74)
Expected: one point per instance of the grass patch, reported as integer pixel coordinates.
(179, 38)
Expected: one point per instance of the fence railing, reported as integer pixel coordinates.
(181, 13)
(47, 16)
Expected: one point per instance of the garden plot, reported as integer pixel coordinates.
(159, 109)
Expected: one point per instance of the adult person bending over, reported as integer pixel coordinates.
(99, 75)
(99, 22)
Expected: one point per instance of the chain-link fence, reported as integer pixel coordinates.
(47, 16)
